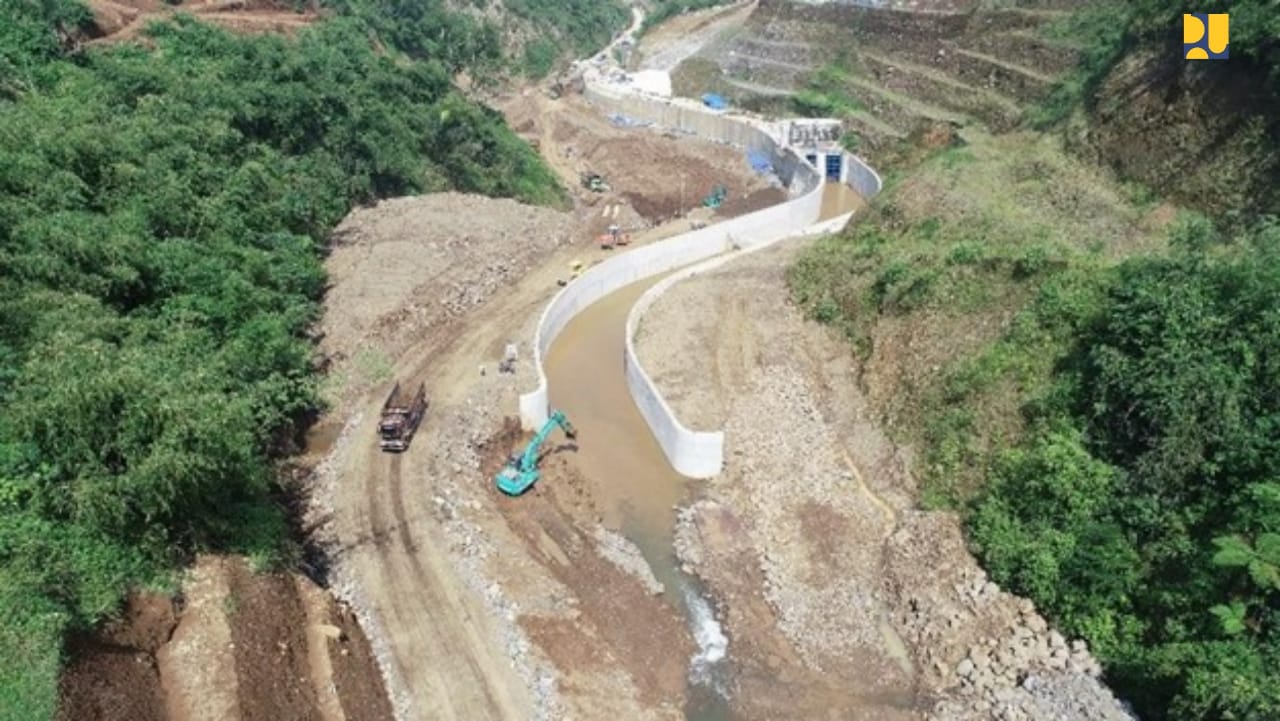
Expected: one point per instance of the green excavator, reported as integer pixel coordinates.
(521, 471)
(716, 198)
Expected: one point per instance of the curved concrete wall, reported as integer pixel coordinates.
(700, 454)
(681, 250)
(859, 176)
(691, 453)
(688, 116)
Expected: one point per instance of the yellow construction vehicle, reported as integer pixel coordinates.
(575, 270)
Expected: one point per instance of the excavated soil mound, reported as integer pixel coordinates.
(234, 646)
(400, 270)
(112, 674)
(654, 175)
(122, 20)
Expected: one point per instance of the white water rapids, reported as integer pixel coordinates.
(713, 645)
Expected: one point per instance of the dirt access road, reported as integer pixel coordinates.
(678, 39)
(481, 607)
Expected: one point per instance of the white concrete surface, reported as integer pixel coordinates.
(691, 453)
(654, 82)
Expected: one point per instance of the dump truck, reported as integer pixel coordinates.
(401, 415)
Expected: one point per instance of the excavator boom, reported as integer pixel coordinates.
(521, 472)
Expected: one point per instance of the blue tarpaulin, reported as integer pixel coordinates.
(715, 102)
(760, 161)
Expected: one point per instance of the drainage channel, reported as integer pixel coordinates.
(635, 487)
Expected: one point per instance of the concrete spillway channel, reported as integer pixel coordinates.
(630, 477)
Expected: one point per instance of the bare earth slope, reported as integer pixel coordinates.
(123, 20)
(817, 499)
(234, 645)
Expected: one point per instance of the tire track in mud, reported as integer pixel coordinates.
(395, 487)
(451, 635)
(395, 546)
(430, 582)
(434, 623)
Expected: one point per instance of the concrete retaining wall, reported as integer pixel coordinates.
(688, 116)
(700, 454)
(696, 454)
(691, 453)
(859, 176)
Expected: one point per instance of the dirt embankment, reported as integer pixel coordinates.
(654, 176)
(828, 576)
(124, 20)
(407, 268)
(1201, 134)
(233, 645)
(671, 43)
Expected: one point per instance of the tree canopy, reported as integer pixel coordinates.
(1143, 510)
(163, 215)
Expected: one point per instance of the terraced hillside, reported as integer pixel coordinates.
(885, 69)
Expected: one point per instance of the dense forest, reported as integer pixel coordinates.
(1142, 508)
(529, 39)
(163, 214)
(580, 26)
(1135, 497)
(663, 10)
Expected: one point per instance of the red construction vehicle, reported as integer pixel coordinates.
(613, 237)
(401, 415)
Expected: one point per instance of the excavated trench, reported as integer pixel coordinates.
(630, 478)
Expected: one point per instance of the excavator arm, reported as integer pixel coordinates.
(520, 474)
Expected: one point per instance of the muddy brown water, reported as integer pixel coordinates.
(635, 488)
(634, 485)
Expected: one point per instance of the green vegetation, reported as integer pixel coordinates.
(1099, 30)
(540, 57)
(429, 29)
(163, 213)
(850, 141)
(664, 10)
(825, 95)
(1104, 410)
(1142, 510)
(1105, 31)
(584, 25)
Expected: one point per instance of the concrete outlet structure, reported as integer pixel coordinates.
(804, 154)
